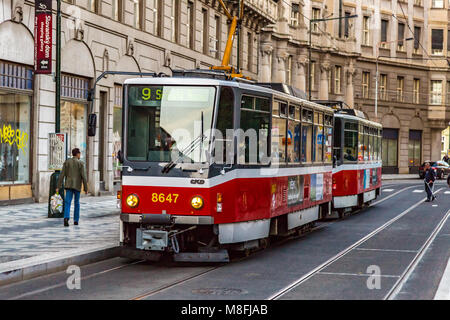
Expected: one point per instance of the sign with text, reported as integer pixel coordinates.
(43, 37)
(57, 150)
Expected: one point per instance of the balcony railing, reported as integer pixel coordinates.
(267, 8)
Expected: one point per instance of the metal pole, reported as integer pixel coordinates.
(376, 87)
(238, 30)
(58, 69)
(309, 62)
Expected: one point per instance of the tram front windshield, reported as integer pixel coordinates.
(166, 123)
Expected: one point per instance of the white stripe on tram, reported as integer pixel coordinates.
(162, 181)
(361, 166)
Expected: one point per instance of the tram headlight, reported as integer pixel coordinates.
(132, 201)
(197, 202)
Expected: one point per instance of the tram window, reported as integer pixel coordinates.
(293, 141)
(328, 144)
(224, 122)
(279, 140)
(361, 143)
(283, 109)
(350, 141)
(337, 139)
(318, 143)
(306, 142)
(262, 104)
(253, 146)
(307, 115)
(292, 112)
(366, 144)
(247, 102)
(297, 113)
(276, 108)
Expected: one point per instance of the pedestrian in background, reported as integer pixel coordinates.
(430, 177)
(446, 159)
(74, 174)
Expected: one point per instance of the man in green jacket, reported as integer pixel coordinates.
(73, 172)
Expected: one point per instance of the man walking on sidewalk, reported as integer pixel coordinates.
(430, 177)
(74, 173)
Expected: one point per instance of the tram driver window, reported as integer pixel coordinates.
(350, 141)
(224, 123)
(254, 137)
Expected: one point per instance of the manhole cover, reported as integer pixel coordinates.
(219, 291)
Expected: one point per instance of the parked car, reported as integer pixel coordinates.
(441, 168)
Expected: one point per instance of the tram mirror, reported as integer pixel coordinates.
(92, 124)
(120, 156)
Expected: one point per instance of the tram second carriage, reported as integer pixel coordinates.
(357, 151)
(184, 196)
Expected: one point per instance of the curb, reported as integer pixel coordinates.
(33, 267)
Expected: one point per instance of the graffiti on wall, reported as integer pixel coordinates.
(13, 136)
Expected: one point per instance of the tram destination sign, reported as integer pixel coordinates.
(57, 150)
(43, 37)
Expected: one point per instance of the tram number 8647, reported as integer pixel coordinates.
(161, 197)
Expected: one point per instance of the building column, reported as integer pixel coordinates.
(266, 63)
(299, 76)
(279, 62)
(323, 89)
(349, 89)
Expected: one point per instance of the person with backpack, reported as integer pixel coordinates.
(74, 174)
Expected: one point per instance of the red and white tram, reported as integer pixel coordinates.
(211, 165)
(357, 152)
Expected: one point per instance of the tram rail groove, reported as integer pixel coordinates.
(396, 289)
(341, 254)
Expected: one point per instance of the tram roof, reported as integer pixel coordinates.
(194, 81)
(362, 120)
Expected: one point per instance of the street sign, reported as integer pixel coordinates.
(57, 150)
(43, 37)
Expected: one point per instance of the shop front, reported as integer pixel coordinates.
(16, 92)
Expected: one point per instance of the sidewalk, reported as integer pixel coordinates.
(28, 236)
(400, 176)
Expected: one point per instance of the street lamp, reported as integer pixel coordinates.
(376, 72)
(311, 21)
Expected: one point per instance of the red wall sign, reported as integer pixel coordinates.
(43, 36)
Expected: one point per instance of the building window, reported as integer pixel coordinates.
(190, 27)
(365, 84)
(74, 91)
(400, 87)
(93, 5)
(289, 71)
(330, 81)
(15, 118)
(436, 92)
(218, 38)
(347, 25)
(400, 37)
(417, 34)
(366, 31)
(295, 13)
(337, 79)
(437, 41)
(383, 86)
(448, 92)
(117, 10)
(416, 92)
(138, 13)
(390, 147)
(174, 20)
(315, 15)
(157, 17)
(313, 75)
(204, 39)
(439, 4)
(384, 30)
(418, 2)
(117, 129)
(415, 148)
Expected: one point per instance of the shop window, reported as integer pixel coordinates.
(415, 148)
(390, 147)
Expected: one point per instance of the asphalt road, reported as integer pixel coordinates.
(397, 248)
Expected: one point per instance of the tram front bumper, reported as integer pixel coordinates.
(166, 219)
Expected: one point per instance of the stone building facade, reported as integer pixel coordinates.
(414, 77)
(100, 35)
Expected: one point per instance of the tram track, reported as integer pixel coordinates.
(350, 248)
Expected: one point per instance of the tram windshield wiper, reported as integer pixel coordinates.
(189, 149)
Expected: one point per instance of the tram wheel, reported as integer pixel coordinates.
(340, 213)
